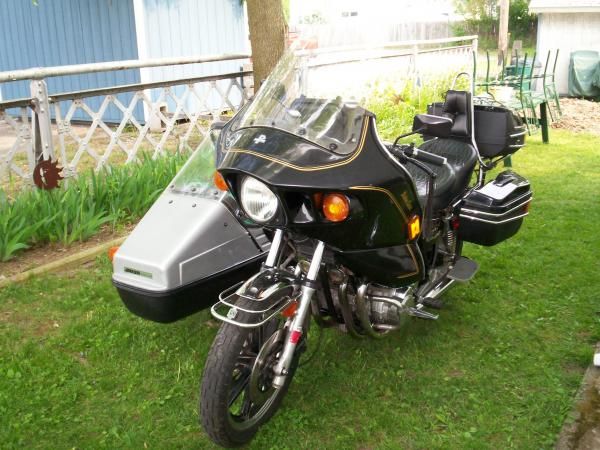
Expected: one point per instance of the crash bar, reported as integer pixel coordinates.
(38, 73)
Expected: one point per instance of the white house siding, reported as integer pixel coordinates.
(568, 32)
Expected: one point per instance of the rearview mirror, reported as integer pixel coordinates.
(430, 125)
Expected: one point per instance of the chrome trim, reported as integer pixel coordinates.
(438, 289)
(279, 287)
(346, 310)
(522, 133)
(245, 324)
(478, 219)
(517, 146)
(526, 194)
(474, 211)
(363, 314)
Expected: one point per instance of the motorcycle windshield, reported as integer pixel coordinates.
(196, 177)
(322, 95)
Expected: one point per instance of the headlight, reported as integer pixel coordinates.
(258, 200)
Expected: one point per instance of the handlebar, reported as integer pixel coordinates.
(424, 156)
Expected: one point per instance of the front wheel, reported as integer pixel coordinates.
(237, 395)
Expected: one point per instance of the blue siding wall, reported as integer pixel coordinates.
(63, 32)
(192, 27)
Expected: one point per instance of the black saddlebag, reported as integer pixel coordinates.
(498, 131)
(495, 212)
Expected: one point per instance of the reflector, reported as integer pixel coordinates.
(111, 253)
(414, 227)
(220, 181)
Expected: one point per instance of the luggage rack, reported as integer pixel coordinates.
(269, 303)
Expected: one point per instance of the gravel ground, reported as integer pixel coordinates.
(579, 116)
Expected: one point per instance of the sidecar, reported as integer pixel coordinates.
(188, 247)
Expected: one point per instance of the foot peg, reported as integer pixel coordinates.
(420, 313)
(463, 270)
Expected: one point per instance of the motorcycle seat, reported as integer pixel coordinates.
(452, 178)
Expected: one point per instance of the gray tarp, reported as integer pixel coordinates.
(583, 74)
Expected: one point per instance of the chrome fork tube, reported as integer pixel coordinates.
(274, 250)
(295, 331)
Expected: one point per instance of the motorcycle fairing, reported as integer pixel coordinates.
(381, 194)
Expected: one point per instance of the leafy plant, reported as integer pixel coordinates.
(78, 210)
(396, 105)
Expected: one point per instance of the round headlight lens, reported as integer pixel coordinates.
(258, 200)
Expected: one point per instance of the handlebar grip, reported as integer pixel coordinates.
(427, 157)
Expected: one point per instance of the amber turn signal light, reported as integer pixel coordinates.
(336, 207)
(220, 182)
(290, 310)
(111, 253)
(414, 227)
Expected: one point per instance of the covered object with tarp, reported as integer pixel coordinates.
(584, 74)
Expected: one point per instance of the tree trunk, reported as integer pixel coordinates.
(267, 36)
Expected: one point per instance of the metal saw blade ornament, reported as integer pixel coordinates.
(46, 174)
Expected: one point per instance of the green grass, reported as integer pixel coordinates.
(498, 370)
(77, 210)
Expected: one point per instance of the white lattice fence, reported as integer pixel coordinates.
(16, 150)
(150, 118)
(180, 129)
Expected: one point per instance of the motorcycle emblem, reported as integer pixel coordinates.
(260, 139)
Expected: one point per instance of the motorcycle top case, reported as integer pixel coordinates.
(498, 131)
(495, 212)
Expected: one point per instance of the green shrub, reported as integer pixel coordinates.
(396, 105)
(77, 211)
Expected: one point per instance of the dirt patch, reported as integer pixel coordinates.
(579, 116)
(28, 324)
(38, 256)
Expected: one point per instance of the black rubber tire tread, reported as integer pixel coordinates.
(216, 380)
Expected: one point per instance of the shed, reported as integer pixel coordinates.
(568, 25)
(65, 32)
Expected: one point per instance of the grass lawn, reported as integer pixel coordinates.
(498, 370)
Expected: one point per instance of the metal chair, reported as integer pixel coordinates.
(524, 101)
(550, 91)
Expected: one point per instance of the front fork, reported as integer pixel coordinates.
(295, 329)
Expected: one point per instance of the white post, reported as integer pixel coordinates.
(41, 125)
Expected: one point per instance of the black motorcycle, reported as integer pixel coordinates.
(365, 234)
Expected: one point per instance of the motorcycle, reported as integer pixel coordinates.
(364, 234)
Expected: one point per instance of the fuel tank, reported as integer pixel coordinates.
(182, 254)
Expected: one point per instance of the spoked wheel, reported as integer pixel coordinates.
(237, 395)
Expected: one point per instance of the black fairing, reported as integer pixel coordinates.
(381, 193)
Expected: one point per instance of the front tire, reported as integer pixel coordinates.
(236, 396)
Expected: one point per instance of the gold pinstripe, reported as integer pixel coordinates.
(402, 213)
(313, 168)
(386, 192)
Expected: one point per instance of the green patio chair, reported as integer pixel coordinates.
(551, 92)
(524, 101)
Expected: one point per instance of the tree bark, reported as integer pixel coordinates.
(267, 36)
